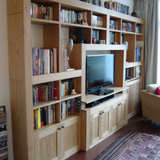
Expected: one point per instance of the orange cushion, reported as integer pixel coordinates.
(158, 90)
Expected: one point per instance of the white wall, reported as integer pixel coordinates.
(4, 71)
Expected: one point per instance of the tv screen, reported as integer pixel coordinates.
(99, 72)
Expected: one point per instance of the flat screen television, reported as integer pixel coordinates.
(99, 72)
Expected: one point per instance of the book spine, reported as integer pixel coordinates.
(39, 118)
(56, 90)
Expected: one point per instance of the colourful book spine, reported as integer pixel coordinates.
(39, 118)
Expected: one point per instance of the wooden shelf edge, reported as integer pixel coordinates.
(114, 30)
(70, 97)
(46, 103)
(133, 64)
(43, 21)
(74, 25)
(56, 76)
(99, 28)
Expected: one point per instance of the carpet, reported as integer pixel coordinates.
(133, 146)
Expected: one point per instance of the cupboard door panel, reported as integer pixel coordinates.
(70, 137)
(46, 144)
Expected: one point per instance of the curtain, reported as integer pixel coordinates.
(148, 10)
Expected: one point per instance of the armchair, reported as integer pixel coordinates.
(151, 103)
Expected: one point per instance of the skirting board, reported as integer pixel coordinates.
(130, 115)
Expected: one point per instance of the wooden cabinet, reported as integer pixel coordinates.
(134, 98)
(103, 120)
(59, 141)
(26, 32)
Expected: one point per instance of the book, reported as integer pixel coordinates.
(55, 90)
(39, 118)
(78, 105)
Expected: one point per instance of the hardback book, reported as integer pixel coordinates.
(56, 90)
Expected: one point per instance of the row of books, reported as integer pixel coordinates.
(68, 16)
(97, 21)
(137, 54)
(44, 116)
(70, 107)
(117, 7)
(41, 11)
(113, 24)
(113, 37)
(138, 28)
(127, 26)
(67, 86)
(44, 61)
(136, 74)
(45, 92)
(95, 2)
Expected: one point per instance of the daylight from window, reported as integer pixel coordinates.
(158, 77)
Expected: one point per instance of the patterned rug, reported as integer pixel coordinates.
(133, 146)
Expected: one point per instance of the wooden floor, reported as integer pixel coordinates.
(136, 123)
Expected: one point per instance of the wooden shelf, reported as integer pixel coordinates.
(99, 28)
(74, 25)
(133, 64)
(132, 79)
(43, 21)
(56, 76)
(114, 30)
(46, 103)
(126, 32)
(91, 97)
(68, 97)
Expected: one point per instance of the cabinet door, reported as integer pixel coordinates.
(134, 98)
(94, 131)
(105, 122)
(47, 144)
(119, 113)
(70, 137)
(122, 113)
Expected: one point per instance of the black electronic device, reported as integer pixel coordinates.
(92, 104)
(99, 73)
(77, 34)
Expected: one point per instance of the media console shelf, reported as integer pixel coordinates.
(91, 97)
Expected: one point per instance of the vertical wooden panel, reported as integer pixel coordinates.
(16, 46)
(15, 6)
(19, 124)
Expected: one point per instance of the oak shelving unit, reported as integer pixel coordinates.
(52, 141)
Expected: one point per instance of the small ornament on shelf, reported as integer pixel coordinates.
(73, 92)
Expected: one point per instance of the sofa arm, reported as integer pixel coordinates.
(150, 105)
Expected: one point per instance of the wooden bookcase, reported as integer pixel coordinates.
(52, 141)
